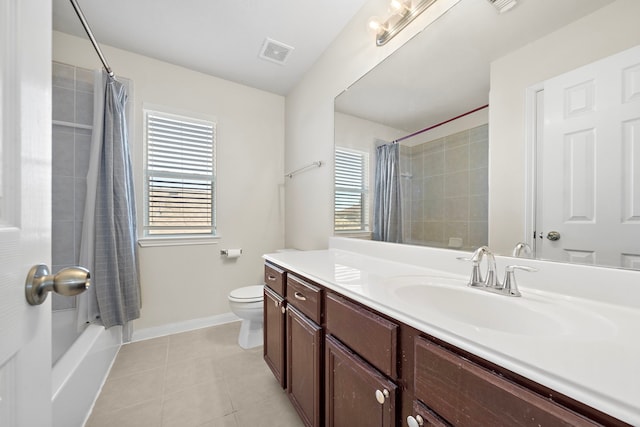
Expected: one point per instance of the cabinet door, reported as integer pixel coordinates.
(303, 366)
(424, 417)
(274, 334)
(357, 395)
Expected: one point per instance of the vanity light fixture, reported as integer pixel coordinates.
(402, 13)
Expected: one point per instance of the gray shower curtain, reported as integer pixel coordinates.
(109, 229)
(387, 214)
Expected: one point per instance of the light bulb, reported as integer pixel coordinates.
(375, 25)
(399, 6)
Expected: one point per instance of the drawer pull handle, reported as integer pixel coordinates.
(381, 396)
(271, 277)
(415, 422)
(299, 296)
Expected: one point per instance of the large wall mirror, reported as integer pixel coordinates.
(457, 117)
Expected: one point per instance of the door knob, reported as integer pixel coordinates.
(553, 236)
(69, 281)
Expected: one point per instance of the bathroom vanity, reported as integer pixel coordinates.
(355, 340)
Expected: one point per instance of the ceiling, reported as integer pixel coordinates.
(444, 71)
(222, 38)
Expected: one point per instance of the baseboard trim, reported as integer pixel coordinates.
(185, 326)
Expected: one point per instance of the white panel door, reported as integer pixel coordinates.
(25, 210)
(589, 164)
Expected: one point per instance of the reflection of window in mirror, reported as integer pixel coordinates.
(351, 214)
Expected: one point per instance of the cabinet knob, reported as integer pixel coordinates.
(381, 396)
(415, 422)
(283, 310)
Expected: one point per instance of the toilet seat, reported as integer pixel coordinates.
(247, 294)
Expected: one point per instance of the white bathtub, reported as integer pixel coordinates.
(80, 371)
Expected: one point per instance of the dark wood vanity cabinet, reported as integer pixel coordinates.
(274, 334)
(425, 417)
(346, 365)
(304, 349)
(357, 395)
(274, 348)
(360, 366)
(463, 393)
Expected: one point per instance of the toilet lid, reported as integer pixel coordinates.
(248, 293)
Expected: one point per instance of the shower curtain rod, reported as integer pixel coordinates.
(85, 24)
(395, 141)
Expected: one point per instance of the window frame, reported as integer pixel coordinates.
(149, 239)
(363, 190)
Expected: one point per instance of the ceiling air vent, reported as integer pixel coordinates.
(503, 5)
(275, 51)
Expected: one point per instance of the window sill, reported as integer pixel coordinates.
(354, 234)
(148, 242)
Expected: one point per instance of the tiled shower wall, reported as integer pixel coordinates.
(445, 185)
(72, 121)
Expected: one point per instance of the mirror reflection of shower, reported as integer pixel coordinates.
(445, 189)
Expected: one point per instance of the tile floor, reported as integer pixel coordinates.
(198, 378)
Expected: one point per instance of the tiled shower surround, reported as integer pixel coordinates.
(71, 141)
(445, 190)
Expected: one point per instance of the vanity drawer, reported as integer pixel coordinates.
(374, 338)
(305, 297)
(466, 394)
(274, 278)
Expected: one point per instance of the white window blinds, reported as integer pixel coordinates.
(180, 175)
(351, 191)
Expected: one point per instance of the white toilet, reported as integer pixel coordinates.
(247, 304)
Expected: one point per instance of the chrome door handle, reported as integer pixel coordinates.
(69, 281)
(553, 236)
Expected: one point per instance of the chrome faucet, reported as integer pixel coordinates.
(491, 282)
(476, 275)
(521, 247)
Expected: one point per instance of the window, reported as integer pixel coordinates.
(351, 193)
(179, 176)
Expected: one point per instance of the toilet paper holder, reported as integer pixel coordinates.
(233, 252)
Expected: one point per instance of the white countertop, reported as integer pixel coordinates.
(599, 366)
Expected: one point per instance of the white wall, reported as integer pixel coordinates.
(180, 283)
(605, 32)
(309, 120)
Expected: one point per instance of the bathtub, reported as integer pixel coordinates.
(79, 372)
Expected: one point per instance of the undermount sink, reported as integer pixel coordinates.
(528, 315)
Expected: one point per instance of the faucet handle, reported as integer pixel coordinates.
(510, 287)
(476, 275)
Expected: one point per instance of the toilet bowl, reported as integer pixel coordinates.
(247, 304)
